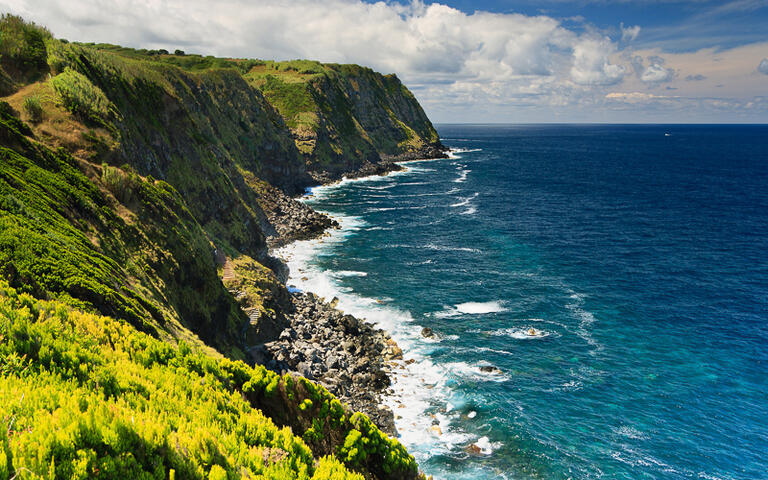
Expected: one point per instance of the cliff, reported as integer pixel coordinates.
(138, 194)
(346, 117)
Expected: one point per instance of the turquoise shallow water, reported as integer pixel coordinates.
(638, 258)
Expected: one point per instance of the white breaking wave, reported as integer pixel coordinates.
(586, 319)
(481, 307)
(475, 373)
(471, 308)
(462, 176)
(630, 432)
(520, 333)
(465, 200)
(380, 187)
(486, 446)
(428, 194)
(466, 150)
(413, 183)
(321, 191)
(350, 273)
(446, 248)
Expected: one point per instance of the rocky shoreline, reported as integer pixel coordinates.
(290, 220)
(368, 169)
(350, 357)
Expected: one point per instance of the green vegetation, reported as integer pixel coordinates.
(61, 236)
(290, 98)
(197, 129)
(22, 48)
(33, 108)
(84, 396)
(343, 115)
(121, 339)
(81, 97)
(178, 58)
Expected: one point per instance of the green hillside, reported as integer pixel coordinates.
(137, 192)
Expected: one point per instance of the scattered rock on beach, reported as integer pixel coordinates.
(473, 449)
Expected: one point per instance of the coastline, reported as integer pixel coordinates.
(354, 359)
(414, 383)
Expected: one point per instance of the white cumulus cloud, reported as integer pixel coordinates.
(629, 33)
(495, 66)
(656, 73)
(591, 65)
(427, 45)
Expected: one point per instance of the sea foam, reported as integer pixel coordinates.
(422, 398)
(475, 308)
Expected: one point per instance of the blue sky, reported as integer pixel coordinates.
(684, 25)
(489, 61)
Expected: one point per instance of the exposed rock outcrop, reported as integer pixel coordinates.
(289, 219)
(346, 355)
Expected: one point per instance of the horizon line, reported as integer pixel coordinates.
(603, 123)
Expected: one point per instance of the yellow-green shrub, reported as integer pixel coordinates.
(91, 396)
(81, 97)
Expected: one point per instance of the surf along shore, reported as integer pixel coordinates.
(350, 356)
(354, 345)
(331, 343)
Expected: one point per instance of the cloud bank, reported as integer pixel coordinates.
(451, 59)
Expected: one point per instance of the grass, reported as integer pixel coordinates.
(342, 115)
(292, 99)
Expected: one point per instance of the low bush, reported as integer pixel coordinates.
(81, 97)
(88, 396)
(33, 108)
(121, 183)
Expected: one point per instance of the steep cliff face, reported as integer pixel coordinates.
(232, 137)
(344, 117)
(143, 187)
(198, 130)
(108, 240)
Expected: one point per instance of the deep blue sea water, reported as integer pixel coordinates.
(639, 256)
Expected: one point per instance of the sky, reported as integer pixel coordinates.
(504, 61)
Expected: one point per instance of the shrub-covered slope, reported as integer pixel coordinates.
(84, 396)
(196, 130)
(109, 240)
(205, 124)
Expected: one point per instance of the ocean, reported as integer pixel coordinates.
(612, 279)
